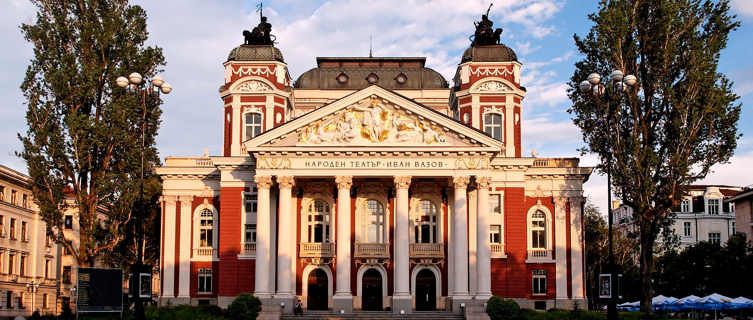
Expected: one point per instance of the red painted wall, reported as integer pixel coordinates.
(231, 271)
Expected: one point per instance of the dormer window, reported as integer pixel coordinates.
(401, 78)
(372, 78)
(342, 78)
(685, 206)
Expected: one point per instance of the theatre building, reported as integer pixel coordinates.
(370, 183)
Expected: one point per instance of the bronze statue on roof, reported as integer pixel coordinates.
(261, 34)
(484, 34)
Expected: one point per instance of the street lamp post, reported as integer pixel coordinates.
(33, 288)
(618, 85)
(146, 90)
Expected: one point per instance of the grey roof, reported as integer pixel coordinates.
(357, 69)
(491, 53)
(246, 52)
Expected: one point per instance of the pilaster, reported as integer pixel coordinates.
(262, 281)
(460, 241)
(401, 299)
(343, 299)
(560, 247)
(483, 258)
(184, 277)
(576, 246)
(168, 271)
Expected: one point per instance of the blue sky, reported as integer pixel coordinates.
(197, 35)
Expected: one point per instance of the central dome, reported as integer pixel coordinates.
(249, 52)
(490, 53)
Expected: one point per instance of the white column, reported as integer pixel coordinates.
(560, 247)
(235, 142)
(262, 237)
(576, 246)
(509, 133)
(402, 244)
(483, 259)
(285, 242)
(184, 277)
(168, 249)
(460, 241)
(343, 298)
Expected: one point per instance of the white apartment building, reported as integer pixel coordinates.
(28, 258)
(703, 215)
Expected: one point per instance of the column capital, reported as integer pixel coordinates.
(170, 200)
(263, 182)
(483, 182)
(285, 182)
(185, 198)
(460, 182)
(344, 182)
(402, 182)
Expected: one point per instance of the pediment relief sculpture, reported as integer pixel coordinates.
(372, 121)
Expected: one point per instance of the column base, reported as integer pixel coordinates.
(483, 297)
(342, 302)
(402, 304)
(270, 309)
(476, 310)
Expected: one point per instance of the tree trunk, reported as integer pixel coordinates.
(647, 269)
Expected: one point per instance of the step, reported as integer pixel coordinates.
(434, 315)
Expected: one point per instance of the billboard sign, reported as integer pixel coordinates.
(99, 290)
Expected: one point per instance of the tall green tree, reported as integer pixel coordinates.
(83, 142)
(677, 121)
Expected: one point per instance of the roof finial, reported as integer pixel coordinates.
(370, 45)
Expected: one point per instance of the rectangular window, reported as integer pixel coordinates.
(12, 228)
(20, 300)
(25, 202)
(250, 233)
(205, 280)
(22, 265)
(13, 197)
(2, 227)
(539, 282)
(2, 193)
(45, 303)
(495, 233)
(731, 207)
(24, 234)
(685, 205)
(686, 229)
(715, 238)
(733, 228)
(67, 274)
(48, 241)
(712, 206)
(68, 222)
(495, 203)
(11, 261)
(47, 268)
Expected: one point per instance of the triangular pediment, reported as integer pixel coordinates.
(375, 119)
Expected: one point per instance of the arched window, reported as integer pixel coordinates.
(425, 228)
(374, 221)
(253, 124)
(538, 230)
(206, 229)
(493, 125)
(318, 221)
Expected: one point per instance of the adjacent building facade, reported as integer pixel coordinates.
(372, 184)
(28, 258)
(742, 204)
(704, 214)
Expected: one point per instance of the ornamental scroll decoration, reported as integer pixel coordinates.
(493, 86)
(273, 163)
(253, 86)
(372, 121)
(472, 163)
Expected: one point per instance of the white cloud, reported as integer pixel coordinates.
(736, 172)
(743, 7)
(543, 130)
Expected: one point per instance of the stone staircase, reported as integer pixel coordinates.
(416, 315)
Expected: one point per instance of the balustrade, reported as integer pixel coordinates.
(497, 249)
(372, 250)
(427, 250)
(204, 252)
(317, 250)
(249, 248)
(540, 254)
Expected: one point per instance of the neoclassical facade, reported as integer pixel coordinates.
(372, 184)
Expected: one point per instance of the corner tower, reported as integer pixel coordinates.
(256, 90)
(487, 94)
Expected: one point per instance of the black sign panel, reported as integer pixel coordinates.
(100, 290)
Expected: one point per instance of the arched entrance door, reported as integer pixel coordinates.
(317, 290)
(426, 291)
(372, 290)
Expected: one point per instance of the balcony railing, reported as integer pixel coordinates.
(317, 250)
(204, 252)
(497, 249)
(427, 250)
(539, 254)
(372, 250)
(249, 248)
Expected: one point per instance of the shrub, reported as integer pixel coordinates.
(502, 309)
(245, 307)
